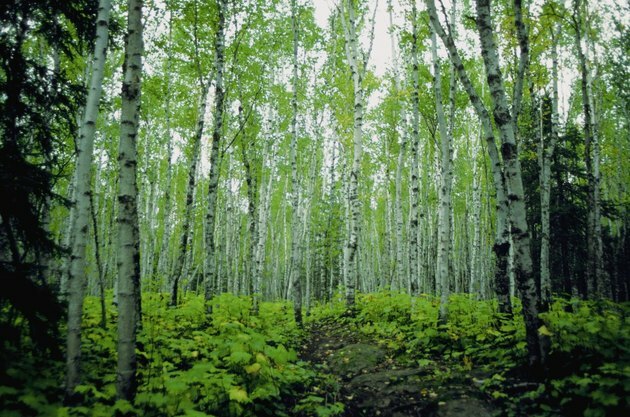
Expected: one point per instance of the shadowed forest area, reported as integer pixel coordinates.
(314, 208)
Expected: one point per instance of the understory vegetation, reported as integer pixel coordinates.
(239, 364)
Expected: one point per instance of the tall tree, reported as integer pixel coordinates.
(296, 270)
(546, 149)
(510, 175)
(128, 233)
(217, 133)
(83, 192)
(414, 277)
(595, 254)
(354, 203)
(446, 180)
(523, 266)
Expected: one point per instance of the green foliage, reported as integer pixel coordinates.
(234, 364)
(588, 369)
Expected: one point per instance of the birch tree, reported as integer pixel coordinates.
(446, 179)
(510, 174)
(501, 245)
(354, 203)
(594, 267)
(185, 239)
(415, 151)
(217, 133)
(545, 153)
(296, 273)
(128, 235)
(519, 232)
(83, 193)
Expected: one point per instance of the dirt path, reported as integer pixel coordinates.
(373, 383)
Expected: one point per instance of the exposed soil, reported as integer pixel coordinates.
(374, 383)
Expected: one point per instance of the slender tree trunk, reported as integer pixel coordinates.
(475, 286)
(355, 171)
(163, 256)
(594, 264)
(213, 184)
(128, 234)
(415, 151)
(252, 224)
(99, 264)
(80, 230)
(185, 240)
(295, 267)
(444, 210)
(545, 153)
(501, 246)
(398, 207)
(263, 215)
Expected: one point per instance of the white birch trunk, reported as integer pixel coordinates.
(545, 153)
(414, 276)
(501, 246)
(355, 170)
(128, 234)
(475, 283)
(163, 256)
(185, 239)
(444, 209)
(523, 266)
(77, 278)
(594, 266)
(219, 97)
(296, 270)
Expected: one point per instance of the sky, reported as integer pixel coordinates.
(381, 56)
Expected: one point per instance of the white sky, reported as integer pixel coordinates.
(381, 57)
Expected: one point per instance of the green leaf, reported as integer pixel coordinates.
(239, 357)
(543, 330)
(238, 394)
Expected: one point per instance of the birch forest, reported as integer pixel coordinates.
(314, 208)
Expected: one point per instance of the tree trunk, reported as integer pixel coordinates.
(475, 282)
(217, 133)
(594, 263)
(296, 270)
(523, 266)
(501, 246)
(353, 184)
(128, 234)
(185, 240)
(415, 151)
(163, 256)
(80, 230)
(444, 210)
(545, 153)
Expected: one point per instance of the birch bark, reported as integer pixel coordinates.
(296, 270)
(77, 278)
(219, 98)
(545, 153)
(355, 170)
(523, 266)
(414, 277)
(594, 266)
(501, 246)
(128, 234)
(444, 210)
(185, 239)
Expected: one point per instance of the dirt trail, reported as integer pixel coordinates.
(373, 383)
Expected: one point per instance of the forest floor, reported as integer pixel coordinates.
(376, 382)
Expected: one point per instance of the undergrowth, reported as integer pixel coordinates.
(588, 371)
(235, 364)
